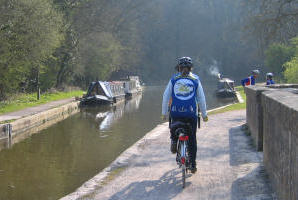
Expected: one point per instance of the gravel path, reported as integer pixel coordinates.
(228, 167)
(33, 110)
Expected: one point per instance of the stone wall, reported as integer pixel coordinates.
(278, 129)
(280, 110)
(27, 123)
(254, 114)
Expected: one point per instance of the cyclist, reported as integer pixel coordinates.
(178, 69)
(186, 92)
(191, 74)
(251, 80)
(269, 80)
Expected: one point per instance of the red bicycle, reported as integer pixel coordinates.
(182, 156)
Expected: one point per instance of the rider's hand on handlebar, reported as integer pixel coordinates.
(163, 117)
(205, 119)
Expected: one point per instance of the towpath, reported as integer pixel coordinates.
(33, 110)
(228, 167)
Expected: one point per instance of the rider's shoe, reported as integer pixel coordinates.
(173, 147)
(193, 169)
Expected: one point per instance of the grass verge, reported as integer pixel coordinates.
(7, 121)
(22, 101)
(236, 106)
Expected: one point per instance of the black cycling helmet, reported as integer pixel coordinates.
(185, 62)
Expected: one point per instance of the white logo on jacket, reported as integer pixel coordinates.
(184, 89)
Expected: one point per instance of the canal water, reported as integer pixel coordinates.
(56, 161)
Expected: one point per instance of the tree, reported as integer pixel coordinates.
(291, 67)
(30, 32)
(272, 20)
(291, 70)
(276, 55)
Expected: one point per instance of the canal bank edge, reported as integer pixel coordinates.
(20, 129)
(117, 166)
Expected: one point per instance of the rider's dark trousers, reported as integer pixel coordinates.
(192, 137)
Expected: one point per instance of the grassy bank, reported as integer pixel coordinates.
(22, 101)
(236, 106)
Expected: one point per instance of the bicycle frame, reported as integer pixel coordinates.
(183, 139)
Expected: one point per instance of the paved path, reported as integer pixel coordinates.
(228, 167)
(33, 110)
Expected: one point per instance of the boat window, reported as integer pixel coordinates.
(97, 90)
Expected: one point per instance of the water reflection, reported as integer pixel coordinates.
(117, 112)
(106, 116)
(133, 104)
(112, 116)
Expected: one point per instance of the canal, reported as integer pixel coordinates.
(56, 161)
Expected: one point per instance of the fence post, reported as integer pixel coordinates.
(8, 130)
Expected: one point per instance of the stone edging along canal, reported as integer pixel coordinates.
(20, 129)
(121, 162)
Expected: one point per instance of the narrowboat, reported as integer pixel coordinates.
(98, 93)
(102, 92)
(225, 88)
(132, 86)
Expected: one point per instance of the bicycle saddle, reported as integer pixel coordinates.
(178, 124)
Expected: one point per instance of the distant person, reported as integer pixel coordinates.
(269, 79)
(186, 92)
(251, 80)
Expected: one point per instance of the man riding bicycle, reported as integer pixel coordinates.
(186, 92)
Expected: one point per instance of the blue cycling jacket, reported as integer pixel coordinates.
(186, 93)
(270, 82)
(248, 81)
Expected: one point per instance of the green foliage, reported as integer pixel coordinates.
(74, 42)
(276, 55)
(291, 67)
(30, 31)
(101, 55)
(291, 72)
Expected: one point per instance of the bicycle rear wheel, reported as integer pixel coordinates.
(183, 175)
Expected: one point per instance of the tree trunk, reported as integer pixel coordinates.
(37, 83)
(61, 72)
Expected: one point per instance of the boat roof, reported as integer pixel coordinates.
(226, 80)
(106, 88)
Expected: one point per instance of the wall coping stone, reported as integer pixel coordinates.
(286, 98)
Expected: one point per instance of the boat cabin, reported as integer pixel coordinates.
(225, 88)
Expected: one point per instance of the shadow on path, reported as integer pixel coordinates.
(252, 182)
(167, 187)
